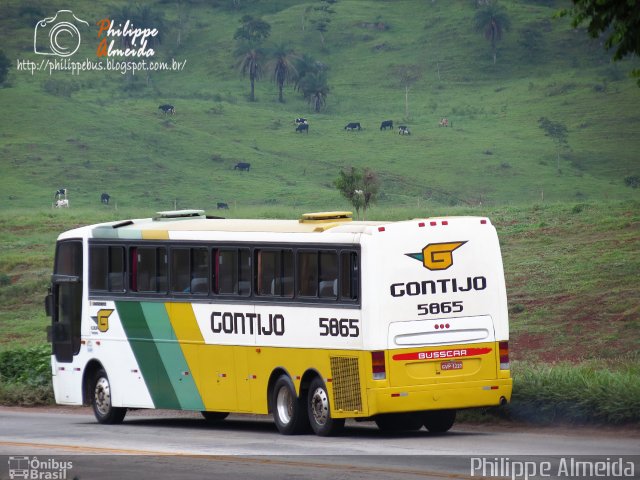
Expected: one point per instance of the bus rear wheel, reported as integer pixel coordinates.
(320, 411)
(399, 422)
(439, 421)
(103, 409)
(288, 409)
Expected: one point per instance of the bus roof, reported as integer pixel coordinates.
(162, 224)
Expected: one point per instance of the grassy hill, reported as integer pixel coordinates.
(101, 131)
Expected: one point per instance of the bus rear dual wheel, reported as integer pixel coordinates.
(294, 415)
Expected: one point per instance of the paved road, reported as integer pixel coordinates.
(181, 445)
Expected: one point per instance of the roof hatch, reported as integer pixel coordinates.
(321, 217)
(178, 214)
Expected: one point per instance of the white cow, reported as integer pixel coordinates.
(63, 203)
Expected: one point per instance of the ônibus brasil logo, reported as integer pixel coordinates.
(437, 256)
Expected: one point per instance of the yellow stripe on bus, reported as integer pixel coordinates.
(188, 334)
(155, 234)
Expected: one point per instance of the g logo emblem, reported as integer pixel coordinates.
(103, 319)
(437, 256)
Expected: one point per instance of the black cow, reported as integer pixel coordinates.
(301, 120)
(223, 206)
(386, 124)
(353, 126)
(61, 193)
(166, 108)
(303, 127)
(104, 198)
(242, 166)
(403, 130)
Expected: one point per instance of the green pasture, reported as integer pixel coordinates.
(102, 131)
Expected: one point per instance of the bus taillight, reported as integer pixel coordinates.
(503, 348)
(378, 366)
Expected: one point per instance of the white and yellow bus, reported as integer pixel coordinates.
(314, 320)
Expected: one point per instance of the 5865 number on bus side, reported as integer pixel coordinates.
(342, 327)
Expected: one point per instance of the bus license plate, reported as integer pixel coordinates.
(451, 366)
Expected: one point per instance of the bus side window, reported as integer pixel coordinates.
(180, 274)
(328, 274)
(275, 273)
(149, 269)
(106, 268)
(244, 271)
(308, 273)
(116, 269)
(349, 276)
(200, 270)
(98, 268)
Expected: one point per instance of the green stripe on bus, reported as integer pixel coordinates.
(147, 355)
(172, 357)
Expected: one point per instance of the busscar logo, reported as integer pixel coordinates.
(437, 256)
(58, 35)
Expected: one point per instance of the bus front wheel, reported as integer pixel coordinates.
(288, 410)
(439, 421)
(320, 411)
(104, 411)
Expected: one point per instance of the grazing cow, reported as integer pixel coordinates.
(223, 206)
(242, 166)
(302, 127)
(301, 120)
(353, 126)
(386, 124)
(444, 122)
(63, 202)
(403, 130)
(166, 108)
(104, 198)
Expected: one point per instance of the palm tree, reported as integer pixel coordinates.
(250, 63)
(283, 68)
(492, 21)
(315, 89)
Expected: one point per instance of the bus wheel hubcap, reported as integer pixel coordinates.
(284, 405)
(103, 396)
(320, 406)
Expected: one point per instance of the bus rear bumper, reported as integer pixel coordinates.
(482, 393)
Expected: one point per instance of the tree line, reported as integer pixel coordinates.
(285, 66)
